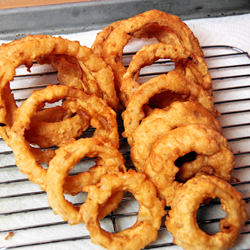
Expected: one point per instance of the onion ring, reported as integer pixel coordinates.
(213, 156)
(176, 115)
(186, 60)
(103, 118)
(42, 132)
(48, 123)
(151, 210)
(109, 161)
(114, 44)
(181, 221)
(174, 82)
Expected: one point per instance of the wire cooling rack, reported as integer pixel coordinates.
(29, 222)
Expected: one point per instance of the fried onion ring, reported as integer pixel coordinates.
(103, 118)
(109, 161)
(213, 156)
(176, 115)
(152, 21)
(181, 221)
(151, 210)
(53, 127)
(186, 60)
(42, 133)
(173, 82)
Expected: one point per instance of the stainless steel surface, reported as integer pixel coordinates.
(83, 16)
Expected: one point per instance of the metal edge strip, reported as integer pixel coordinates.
(85, 16)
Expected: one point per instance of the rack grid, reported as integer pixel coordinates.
(24, 209)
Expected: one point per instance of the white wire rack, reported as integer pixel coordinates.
(24, 209)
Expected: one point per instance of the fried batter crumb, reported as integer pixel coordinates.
(235, 180)
(9, 235)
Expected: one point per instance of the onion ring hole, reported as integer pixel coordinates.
(128, 206)
(164, 99)
(207, 224)
(191, 156)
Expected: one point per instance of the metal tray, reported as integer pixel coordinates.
(83, 16)
(23, 206)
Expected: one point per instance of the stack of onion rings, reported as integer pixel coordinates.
(173, 82)
(103, 118)
(185, 124)
(165, 27)
(39, 47)
(110, 161)
(187, 62)
(213, 156)
(185, 119)
(176, 115)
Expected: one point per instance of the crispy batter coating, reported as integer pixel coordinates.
(69, 71)
(42, 133)
(30, 48)
(173, 82)
(151, 210)
(187, 63)
(213, 156)
(109, 161)
(53, 114)
(176, 115)
(182, 223)
(85, 74)
(42, 156)
(103, 118)
(155, 23)
(55, 120)
(101, 37)
(170, 124)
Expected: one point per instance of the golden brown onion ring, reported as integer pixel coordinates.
(186, 60)
(182, 223)
(53, 127)
(46, 134)
(109, 161)
(103, 118)
(213, 156)
(151, 210)
(176, 115)
(174, 82)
